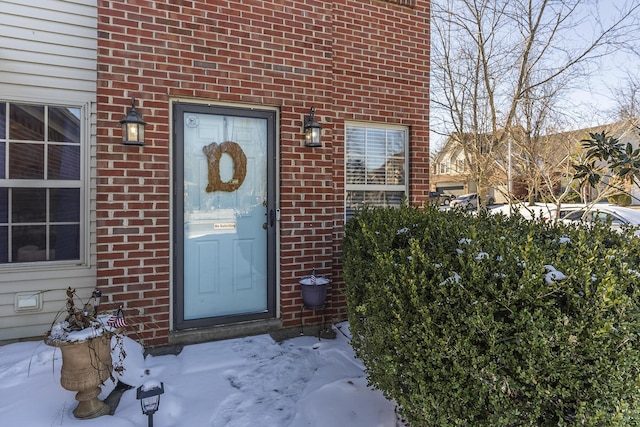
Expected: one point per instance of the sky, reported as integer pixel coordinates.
(598, 96)
(591, 103)
(245, 382)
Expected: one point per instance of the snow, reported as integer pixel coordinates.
(60, 333)
(319, 281)
(252, 381)
(553, 275)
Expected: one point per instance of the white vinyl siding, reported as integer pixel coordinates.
(49, 57)
(48, 49)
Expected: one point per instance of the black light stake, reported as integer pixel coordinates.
(133, 126)
(312, 130)
(149, 398)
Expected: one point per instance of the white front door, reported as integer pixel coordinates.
(224, 270)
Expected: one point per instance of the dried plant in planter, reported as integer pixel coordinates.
(80, 319)
(83, 321)
(80, 323)
(84, 338)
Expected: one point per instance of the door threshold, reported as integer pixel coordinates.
(223, 332)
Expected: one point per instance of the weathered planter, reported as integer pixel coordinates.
(85, 366)
(314, 295)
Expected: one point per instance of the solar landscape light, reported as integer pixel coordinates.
(149, 397)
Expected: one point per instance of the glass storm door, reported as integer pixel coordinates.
(225, 214)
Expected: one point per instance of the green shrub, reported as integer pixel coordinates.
(459, 319)
(621, 199)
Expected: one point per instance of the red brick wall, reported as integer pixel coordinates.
(351, 60)
(381, 75)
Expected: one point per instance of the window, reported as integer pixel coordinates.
(444, 168)
(41, 179)
(376, 166)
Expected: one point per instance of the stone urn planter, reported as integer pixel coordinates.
(86, 365)
(84, 339)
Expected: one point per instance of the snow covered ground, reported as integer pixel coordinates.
(253, 381)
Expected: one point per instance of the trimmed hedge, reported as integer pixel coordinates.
(481, 320)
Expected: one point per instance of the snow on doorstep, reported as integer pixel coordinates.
(244, 382)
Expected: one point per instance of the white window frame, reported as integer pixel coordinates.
(82, 183)
(371, 187)
(444, 168)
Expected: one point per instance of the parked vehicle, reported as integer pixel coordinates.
(469, 201)
(538, 211)
(438, 198)
(619, 216)
(575, 213)
(445, 199)
(465, 201)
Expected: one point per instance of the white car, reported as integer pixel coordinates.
(466, 201)
(469, 201)
(619, 216)
(538, 211)
(575, 212)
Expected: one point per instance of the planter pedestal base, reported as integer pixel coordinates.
(89, 406)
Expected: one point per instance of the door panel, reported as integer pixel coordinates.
(224, 271)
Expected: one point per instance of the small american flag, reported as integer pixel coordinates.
(117, 320)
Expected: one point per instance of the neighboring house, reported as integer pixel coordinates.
(448, 170)
(451, 170)
(206, 229)
(451, 174)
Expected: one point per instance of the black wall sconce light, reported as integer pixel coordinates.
(312, 130)
(133, 126)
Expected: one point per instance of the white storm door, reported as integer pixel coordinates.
(225, 209)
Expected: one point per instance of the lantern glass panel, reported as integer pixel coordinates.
(150, 404)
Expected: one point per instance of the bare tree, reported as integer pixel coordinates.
(500, 66)
(627, 97)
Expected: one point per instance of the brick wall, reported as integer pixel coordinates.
(351, 60)
(381, 75)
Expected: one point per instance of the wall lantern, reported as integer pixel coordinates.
(133, 126)
(149, 397)
(312, 130)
